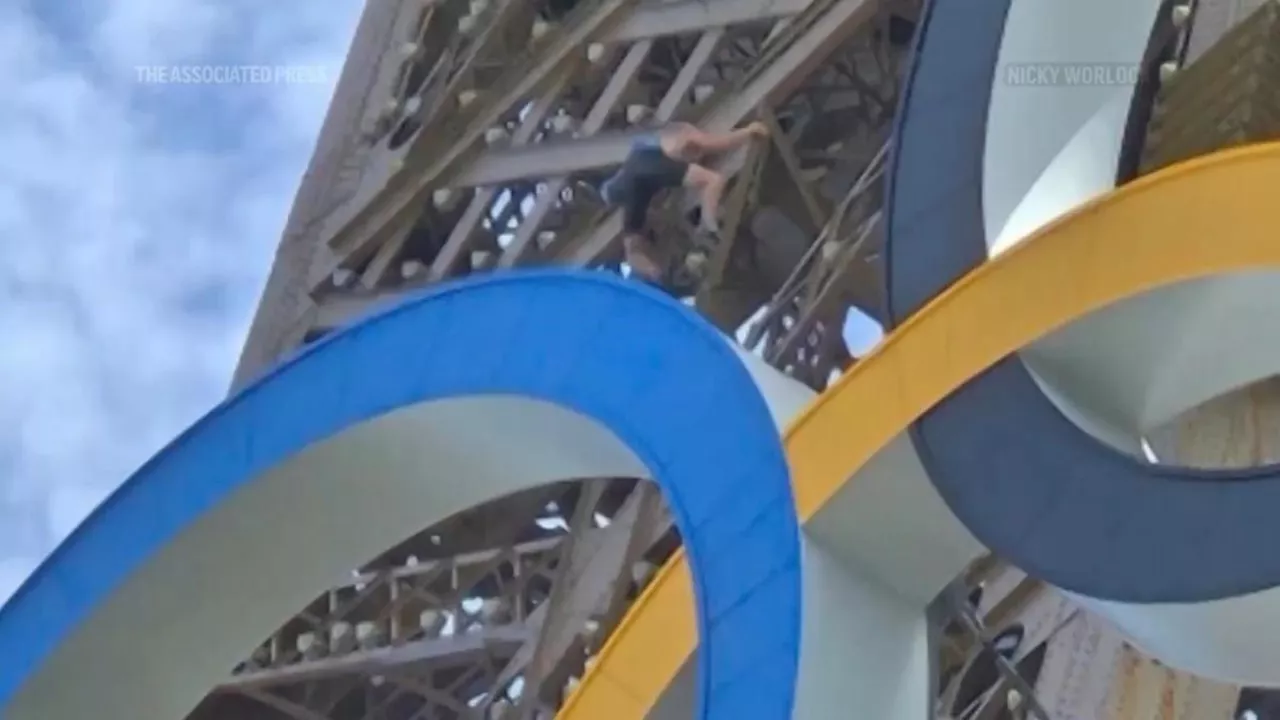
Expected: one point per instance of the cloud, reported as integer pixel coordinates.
(137, 225)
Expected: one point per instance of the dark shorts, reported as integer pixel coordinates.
(646, 172)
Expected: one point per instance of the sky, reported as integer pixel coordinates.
(138, 220)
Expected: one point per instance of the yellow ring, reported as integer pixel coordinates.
(1211, 216)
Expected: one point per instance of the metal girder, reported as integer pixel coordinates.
(340, 310)
(588, 247)
(975, 627)
(627, 71)
(814, 206)
(989, 705)
(395, 206)
(279, 704)
(831, 23)
(465, 228)
(834, 21)
(593, 572)
(1009, 599)
(321, 180)
(593, 567)
(550, 158)
(833, 270)
(677, 18)
(736, 202)
(484, 640)
(540, 655)
(419, 584)
(543, 647)
(623, 78)
(589, 153)
(497, 22)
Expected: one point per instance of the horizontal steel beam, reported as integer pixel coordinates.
(387, 658)
(782, 75)
(564, 157)
(546, 159)
(788, 69)
(651, 21)
(511, 637)
(463, 560)
(594, 575)
(395, 206)
(341, 309)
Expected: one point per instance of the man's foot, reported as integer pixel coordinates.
(686, 275)
(706, 237)
(681, 285)
(696, 262)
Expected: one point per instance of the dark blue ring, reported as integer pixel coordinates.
(1022, 477)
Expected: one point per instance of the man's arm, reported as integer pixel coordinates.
(726, 141)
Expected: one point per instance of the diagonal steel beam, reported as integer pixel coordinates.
(587, 152)
(397, 204)
(483, 198)
(831, 22)
(620, 24)
(279, 704)
(459, 240)
(671, 102)
(339, 310)
(740, 197)
(973, 625)
(624, 76)
(381, 660)
(499, 25)
(777, 77)
(426, 692)
(814, 206)
(558, 604)
(340, 128)
(688, 16)
(593, 577)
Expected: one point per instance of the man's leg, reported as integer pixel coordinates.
(639, 251)
(710, 186)
(639, 256)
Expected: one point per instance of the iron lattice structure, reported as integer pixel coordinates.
(468, 137)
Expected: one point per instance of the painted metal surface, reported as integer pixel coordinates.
(646, 369)
(965, 332)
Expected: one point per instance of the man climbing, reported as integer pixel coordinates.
(669, 158)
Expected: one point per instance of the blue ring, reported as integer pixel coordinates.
(1023, 478)
(663, 380)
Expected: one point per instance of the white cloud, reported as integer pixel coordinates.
(137, 224)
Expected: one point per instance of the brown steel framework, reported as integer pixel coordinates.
(468, 137)
(482, 131)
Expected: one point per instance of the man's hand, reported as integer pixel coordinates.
(758, 129)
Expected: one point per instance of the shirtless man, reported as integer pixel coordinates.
(669, 158)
